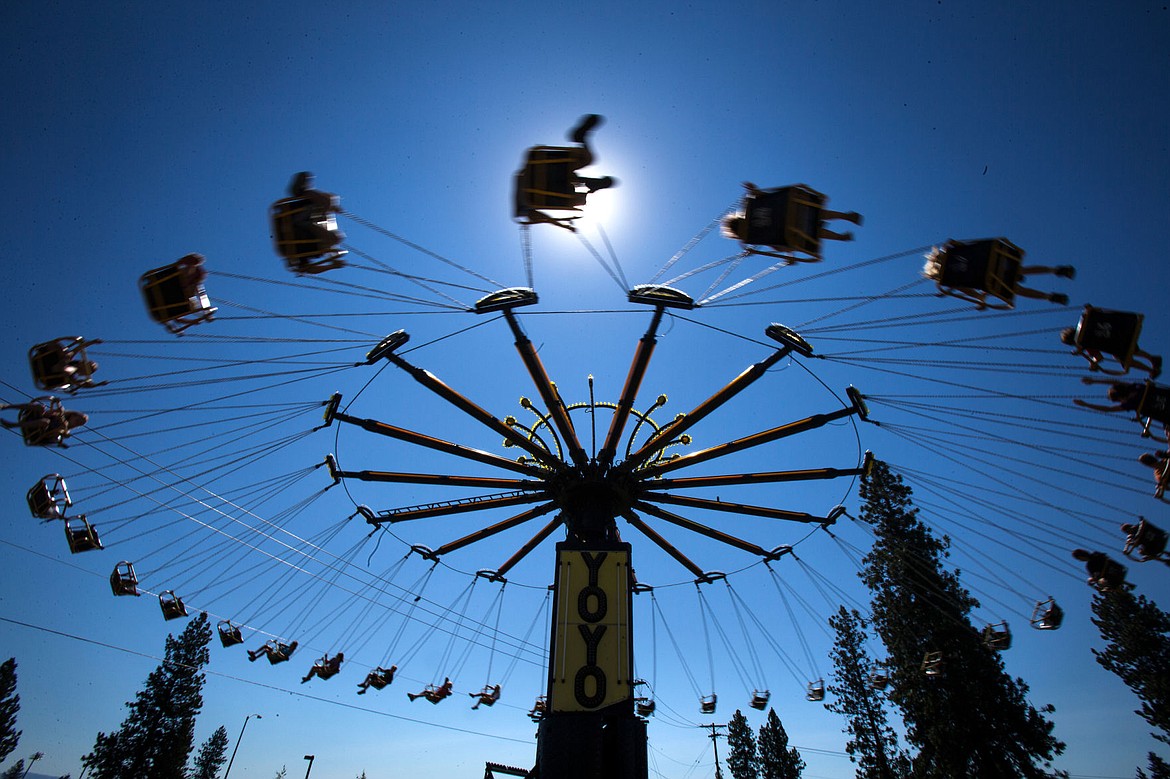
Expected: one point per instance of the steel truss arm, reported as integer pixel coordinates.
(767, 436)
(701, 529)
(533, 542)
(467, 406)
(735, 508)
(438, 444)
(548, 393)
(499, 527)
(446, 508)
(637, 371)
(704, 409)
(665, 545)
(441, 479)
(759, 478)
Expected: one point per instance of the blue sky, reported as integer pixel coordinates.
(134, 136)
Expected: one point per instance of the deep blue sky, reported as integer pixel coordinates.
(133, 136)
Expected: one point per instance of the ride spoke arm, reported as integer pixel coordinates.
(548, 394)
(637, 371)
(533, 542)
(447, 508)
(662, 543)
(701, 529)
(499, 527)
(411, 437)
(469, 407)
(445, 480)
(767, 436)
(733, 388)
(734, 508)
(810, 474)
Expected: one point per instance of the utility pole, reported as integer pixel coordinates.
(238, 740)
(715, 735)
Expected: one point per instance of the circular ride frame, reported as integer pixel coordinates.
(589, 726)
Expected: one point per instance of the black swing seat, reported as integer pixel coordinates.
(760, 699)
(644, 706)
(1148, 542)
(932, 664)
(123, 580)
(548, 180)
(988, 266)
(172, 605)
(997, 636)
(786, 219)
(539, 709)
(1154, 406)
(229, 634)
(48, 498)
(1110, 332)
(1110, 576)
(1047, 615)
(81, 536)
(306, 235)
(487, 696)
(707, 703)
(42, 422)
(62, 364)
(816, 691)
(879, 679)
(173, 299)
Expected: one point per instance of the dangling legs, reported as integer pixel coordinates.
(848, 216)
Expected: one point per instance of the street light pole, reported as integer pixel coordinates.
(238, 740)
(310, 758)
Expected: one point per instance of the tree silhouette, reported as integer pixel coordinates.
(741, 748)
(971, 720)
(776, 759)
(158, 734)
(211, 757)
(872, 744)
(1137, 648)
(9, 706)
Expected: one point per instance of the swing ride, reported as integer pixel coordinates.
(632, 500)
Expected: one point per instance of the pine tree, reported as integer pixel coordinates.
(9, 706)
(873, 744)
(741, 748)
(973, 720)
(281, 773)
(159, 732)
(14, 771)
(1137, 648)
(1159, 768)
(212, 755)
(777, 760)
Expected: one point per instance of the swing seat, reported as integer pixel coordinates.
(879, 680)
(48, 498)
(997, 636)
(123, 580)
(1110, 577)
(380, 677)
(82, 536)
(487, 696)
(760, 699)
(548, 180)
(816, 691)
(62, 364)
(990, 266)
(306, 237)
(786, 219)
(229, 634)
(173, 299)
(1148, 541)
(644, 706)
(1047, 615)
(47, 410)
(172, 605)
(932, 664)
(539, 709)
(1154, 406)
(280, 652)
(707, 704)
(1110, 332)
(328, 667)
